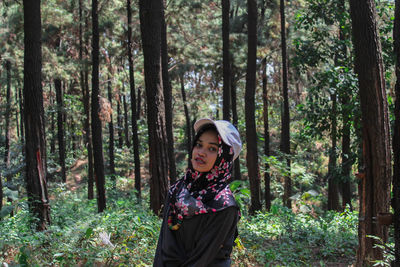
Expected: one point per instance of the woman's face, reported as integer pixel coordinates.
(205, 152)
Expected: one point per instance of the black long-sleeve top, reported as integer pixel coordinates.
(204, 240)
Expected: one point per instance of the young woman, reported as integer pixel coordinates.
(200, 214)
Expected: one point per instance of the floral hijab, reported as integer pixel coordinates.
(199, 193)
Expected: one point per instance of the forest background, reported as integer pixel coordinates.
(98, 99)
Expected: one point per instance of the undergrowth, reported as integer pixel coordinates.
(126, 234)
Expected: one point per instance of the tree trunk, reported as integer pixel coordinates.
(236, 173)
(267, 178)
(347, 159)
(60, 128)
(119, 123)
(139, 102)
(52, 123)
(226, 107)
(187, 116)
(8, 115)
(396, 139)
(21, 111)
(35, 145)
(251, 134)
(111, 132)
(135, 136)
(167, 100)
(126, 123)
(84, 73)
(333, 193)
(150, 25)
(375, 123)
(96, 123)
(285, 135)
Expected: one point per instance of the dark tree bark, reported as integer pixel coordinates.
(16, 113)
(135, 136)
(167, 100)
(267, 178)
(139, 102)
(60, 128)
(8, 115)
(187, 116)
(96, 123)
(126, 123)
(111, 132)
(285, 135)
(251, 134)
(21, 111)
(333, 193)
(226, 107)
(236, 173)
(1, 192)
(35, 145)
(396, 138)
(150, 25)
(347, 159)
(84, 80)
(375, 193)
(52, 124)
(119, 123)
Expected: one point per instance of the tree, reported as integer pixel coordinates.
(84, 80)
(111, 131)
(226, 58)
(8, 115)
(251, 134)
(237, 175)
(96, 123)
(285, 134)
(396, 138)
(333, 194)
(267, 178)
(187, 116)
(133, 105)
(35, 145)
(150, 26)
(167, 100)
(60, 128)
(375, 183)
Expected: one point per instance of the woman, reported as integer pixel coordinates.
(200, 214)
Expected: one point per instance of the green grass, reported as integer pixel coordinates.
(277, 238)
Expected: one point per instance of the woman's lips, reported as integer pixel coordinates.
(199, 160)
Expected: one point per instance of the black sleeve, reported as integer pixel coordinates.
(220, 227)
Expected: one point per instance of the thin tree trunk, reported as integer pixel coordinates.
(119, 123)
(267, 178)
(21, 111)
(139, 102)
(347, 160)
(52, 124)
(226, 107)
(333, 194)
(187, 116)
(84, 79)
(285, 135)
(167, 100)
(16, 113)
(96, 123)
(126, 123)
(135, 136)
(251, 134)
(60, 128)
(376, 178)
(35, 146)
(236, 174)
(8, 115)
(111, 132)
(396, 138)
(150, 25)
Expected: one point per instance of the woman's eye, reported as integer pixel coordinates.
(213, 149)
(198, 145)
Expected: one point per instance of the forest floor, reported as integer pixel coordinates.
(75, 181)
(126, 233)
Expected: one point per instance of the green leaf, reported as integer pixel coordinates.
(235, 184)
(13, 195)
(89, 232)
